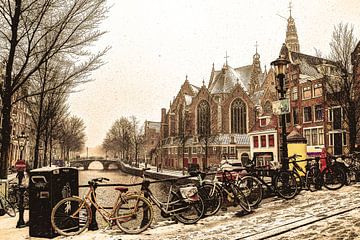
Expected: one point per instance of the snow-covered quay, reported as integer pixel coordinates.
(311, 215)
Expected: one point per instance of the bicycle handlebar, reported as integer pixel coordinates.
(96, 180)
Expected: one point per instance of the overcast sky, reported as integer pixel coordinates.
(156, 43)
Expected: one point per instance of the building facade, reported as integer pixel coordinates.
(204, 124)
(312, 113)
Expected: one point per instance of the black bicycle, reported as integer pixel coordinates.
(298, 172)
(283, 182)
(211, 193)
(331, 177)
(183, 202)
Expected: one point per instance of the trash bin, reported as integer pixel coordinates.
(47, 186)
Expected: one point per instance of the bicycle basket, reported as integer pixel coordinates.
(189, 193)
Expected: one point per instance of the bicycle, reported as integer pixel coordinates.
(232, 193)
(331, 177)
(211, 194)
(297, 171)
(184, 203)
(131, 212)
(283, 182)
(249, 186)
(13, 196)
(7, 206)
(351, 166)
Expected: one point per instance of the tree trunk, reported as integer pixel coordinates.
(7, 94)
(6, 134)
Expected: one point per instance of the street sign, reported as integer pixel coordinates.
(20, 165)
(281, 106)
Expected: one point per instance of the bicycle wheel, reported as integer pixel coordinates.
(70, 216)
(299, 181)
(252, 188)
(134, 215)
(8, 207)
(285, 185)
(311, 181)
(240, 198)
(334, 178)
(212, 200)
(190, 212)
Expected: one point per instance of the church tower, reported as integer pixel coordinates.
(291, 40)
(255, 73)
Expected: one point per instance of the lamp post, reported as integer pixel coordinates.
(20, 166)
(22, 142)
(280, 65)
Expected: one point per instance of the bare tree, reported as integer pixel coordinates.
(36, 31)
(72, 136)
(137, 138)
(118, 138)
(344, 89)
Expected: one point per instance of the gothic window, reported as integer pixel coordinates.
(203, 114)
(238, 117)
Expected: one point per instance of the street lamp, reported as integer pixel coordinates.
(280, 66)
(21, 166)
(22, 142)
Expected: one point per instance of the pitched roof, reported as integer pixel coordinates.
(224, 80)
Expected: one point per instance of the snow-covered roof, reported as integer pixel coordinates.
(224, 80)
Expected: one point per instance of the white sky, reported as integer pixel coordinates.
(156, 43)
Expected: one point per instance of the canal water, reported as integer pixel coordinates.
(106, 196)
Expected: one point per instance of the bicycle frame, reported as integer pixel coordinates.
(90, 197)
(163, 206)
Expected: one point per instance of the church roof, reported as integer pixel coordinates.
(194, 88)
(224, 80)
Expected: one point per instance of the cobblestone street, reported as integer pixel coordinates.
(320, 215)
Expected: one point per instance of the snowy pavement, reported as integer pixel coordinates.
(320, 215)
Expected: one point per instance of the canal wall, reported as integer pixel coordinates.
(150, 174)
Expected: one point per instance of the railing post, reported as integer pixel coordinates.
(21, 222)
(93, 225)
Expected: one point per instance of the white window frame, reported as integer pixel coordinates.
(193, 150)
(311, 111)
(330, 113)
(316, 120)
(302, 92)
(293, 91)
(316, 87)
(318, 136)
(331, 138)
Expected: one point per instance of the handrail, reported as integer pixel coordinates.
(137, 184)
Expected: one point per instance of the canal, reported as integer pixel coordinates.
(106, 196)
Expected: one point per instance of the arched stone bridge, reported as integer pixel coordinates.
(86, 162)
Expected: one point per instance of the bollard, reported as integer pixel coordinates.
(93, 225)
(21, 222)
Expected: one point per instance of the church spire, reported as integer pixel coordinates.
(255, 72)
(291, 40)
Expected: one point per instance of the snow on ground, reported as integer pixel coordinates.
(272, 217)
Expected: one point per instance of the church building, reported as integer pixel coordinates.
(206, 123)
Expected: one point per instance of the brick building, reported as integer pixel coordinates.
(319, 120)
(151, 141)
(205, 123)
